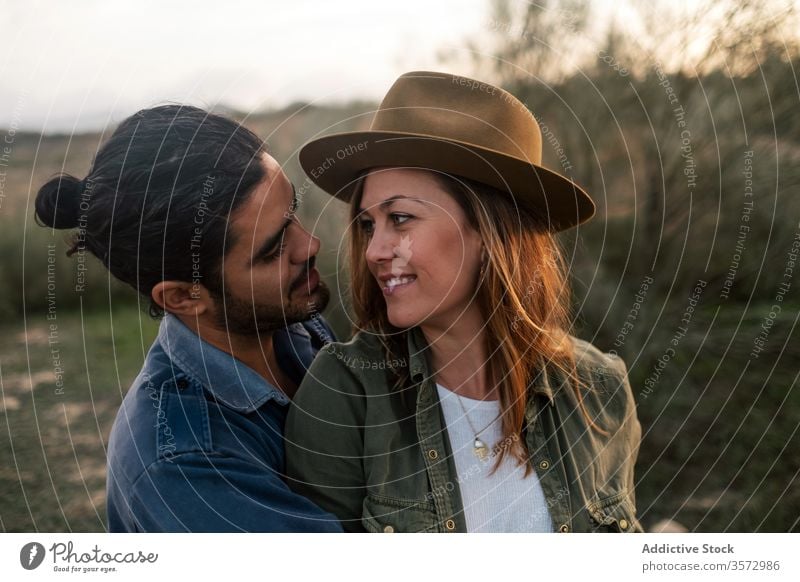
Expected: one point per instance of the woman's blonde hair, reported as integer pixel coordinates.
(523, 294)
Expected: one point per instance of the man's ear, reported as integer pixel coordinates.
(182, 298)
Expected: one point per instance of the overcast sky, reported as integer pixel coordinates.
(86, 63)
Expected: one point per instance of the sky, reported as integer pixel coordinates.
(80, 65)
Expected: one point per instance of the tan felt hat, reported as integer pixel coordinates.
(459, 126)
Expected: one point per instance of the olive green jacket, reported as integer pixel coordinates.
(379, 458)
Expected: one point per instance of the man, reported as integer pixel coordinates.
(187, 208)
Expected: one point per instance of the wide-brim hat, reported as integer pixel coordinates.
(458, 126)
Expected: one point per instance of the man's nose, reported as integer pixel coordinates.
(309, 245)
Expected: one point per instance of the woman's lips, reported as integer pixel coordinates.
(397, 284)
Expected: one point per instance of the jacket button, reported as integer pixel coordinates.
(450, 524)
(623, 523)
(544, 464)
(433, 455)
(388, 529)
(182, 383)
(564, 528)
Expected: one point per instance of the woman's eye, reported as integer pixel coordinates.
(367, 226)
(400, 218)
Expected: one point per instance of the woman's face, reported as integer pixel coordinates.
(421, 248)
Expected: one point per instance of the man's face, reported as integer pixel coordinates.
(269, 274)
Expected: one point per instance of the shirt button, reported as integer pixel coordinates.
(623, 523)
(544, 464)
(564, 528)
(182, 383)
(388, 529)
(433, 455)
(450, 524)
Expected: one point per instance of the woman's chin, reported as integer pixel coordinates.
(408, 318)
(403, 318)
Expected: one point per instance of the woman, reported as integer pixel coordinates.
(462, 403)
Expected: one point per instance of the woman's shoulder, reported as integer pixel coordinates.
(360, 363)
(363, 344)
(609, 396)
(605, 372)
(590, 358)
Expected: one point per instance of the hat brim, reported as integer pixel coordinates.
(334, 163)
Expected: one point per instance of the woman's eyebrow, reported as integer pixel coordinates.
(392, 199)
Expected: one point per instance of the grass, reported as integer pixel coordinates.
(720, 432)
(53, 441)
(715, 455)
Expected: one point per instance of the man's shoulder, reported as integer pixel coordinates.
(169, 427)
(163, 414)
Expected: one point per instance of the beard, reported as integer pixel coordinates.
(248, 318)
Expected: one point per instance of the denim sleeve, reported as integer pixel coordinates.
(197, 492)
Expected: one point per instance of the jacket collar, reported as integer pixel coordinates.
(420, 368)
(227, 379)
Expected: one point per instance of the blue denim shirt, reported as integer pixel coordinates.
(197, 444)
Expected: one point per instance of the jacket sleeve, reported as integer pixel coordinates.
(202, 492)
(324, 440)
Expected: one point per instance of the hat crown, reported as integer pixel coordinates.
(460, 109)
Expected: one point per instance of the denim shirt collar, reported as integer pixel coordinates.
(420, 369)
(227, 379)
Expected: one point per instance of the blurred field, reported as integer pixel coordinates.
(52, 453)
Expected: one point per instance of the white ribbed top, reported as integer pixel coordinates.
(506, 501)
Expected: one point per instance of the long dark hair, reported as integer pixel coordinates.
(156, 201)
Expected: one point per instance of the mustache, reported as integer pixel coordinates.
(303, 276)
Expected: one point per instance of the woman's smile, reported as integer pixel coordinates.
(394, 284)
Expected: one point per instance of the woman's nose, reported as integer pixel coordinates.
(380, 248)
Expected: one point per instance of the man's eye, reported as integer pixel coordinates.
(275, 254)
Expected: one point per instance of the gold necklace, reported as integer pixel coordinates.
(479, 447)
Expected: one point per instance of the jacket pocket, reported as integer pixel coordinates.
(614, 514)
(389, 515)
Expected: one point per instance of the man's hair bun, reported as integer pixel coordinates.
(58, 202)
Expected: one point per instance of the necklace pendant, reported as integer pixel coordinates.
(480, 449)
